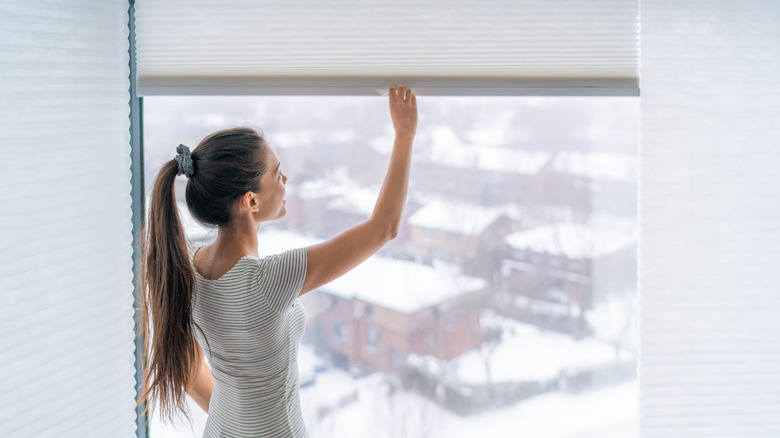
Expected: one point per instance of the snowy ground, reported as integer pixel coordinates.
(337, 405)
(606, 413)
(528, 353)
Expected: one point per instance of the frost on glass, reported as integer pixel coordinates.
(507, 303)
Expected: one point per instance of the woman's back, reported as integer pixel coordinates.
(253, 323)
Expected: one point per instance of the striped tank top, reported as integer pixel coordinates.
(253, 322)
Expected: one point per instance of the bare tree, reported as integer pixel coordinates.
(492, 329)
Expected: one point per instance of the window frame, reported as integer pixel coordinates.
(138, 197)
(440, 86)
(137, 187)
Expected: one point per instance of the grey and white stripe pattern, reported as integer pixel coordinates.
(253, 323)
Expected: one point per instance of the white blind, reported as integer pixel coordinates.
(709, 213)
(356, 46)
(66, 329)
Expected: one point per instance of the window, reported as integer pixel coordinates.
(372, 338)
(480, 312)
(503, 50)
(340, 331)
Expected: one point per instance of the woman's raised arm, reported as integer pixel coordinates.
(337, 256)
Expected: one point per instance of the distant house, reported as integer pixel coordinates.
(553, 272)
(374, 316)
(330, 205)
(465, 234)
(309, 204)
(603, 182)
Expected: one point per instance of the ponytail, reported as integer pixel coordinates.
(228, 164)
(167, 280)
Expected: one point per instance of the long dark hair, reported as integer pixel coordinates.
(227, 164)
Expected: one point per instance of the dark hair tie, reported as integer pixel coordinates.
(185, 161)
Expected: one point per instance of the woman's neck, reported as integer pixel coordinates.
(239, 238)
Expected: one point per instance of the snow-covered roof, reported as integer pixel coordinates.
(596, 165)
(487, 136)
(343, 193)
(287, 139)
(617, 224)
(459, 218)
(573, 240)
(395, 284)
(356, 199)
(290, 139)
(318, 189)
(401, 285)
(445, 147)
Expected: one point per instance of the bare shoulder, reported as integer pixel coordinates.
(211, 265)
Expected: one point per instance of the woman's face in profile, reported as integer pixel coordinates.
(272, 189)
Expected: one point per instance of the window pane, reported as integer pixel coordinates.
(511, 287)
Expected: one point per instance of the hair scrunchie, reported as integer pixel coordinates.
(184, 159)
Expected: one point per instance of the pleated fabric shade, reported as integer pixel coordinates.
(709, 190)
(66, 279)
(355, 47)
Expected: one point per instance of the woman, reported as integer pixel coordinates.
(223, 301)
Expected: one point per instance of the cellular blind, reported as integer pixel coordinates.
(66, 328)
(709, 212)
(356, 46)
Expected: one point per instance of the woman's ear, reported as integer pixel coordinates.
(250, 202)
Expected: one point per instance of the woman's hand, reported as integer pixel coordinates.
(403, 110)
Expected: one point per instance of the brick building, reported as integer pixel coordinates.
(374, 316)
